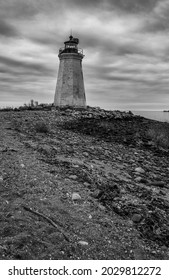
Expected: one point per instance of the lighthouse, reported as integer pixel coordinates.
(70, 84)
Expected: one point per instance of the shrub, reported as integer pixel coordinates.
(160, 136)
(41, 127)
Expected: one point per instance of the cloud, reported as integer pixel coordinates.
(158, 19)
(14, 9)
(19, 66)
(7, 30)
(125, 43)
(123, 5)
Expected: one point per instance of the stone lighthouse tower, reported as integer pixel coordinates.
(70, 85)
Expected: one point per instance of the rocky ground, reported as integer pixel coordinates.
(82, 184)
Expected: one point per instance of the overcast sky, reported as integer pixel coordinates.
(125, 42)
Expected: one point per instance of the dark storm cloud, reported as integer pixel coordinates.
(9, 64)
(158, 20)
(123, 5)
(110, 74)
(134, 5)
(120, 40)
(7, 30)
(111, 47)
(14, 9)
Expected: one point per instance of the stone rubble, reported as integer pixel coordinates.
(111, 163)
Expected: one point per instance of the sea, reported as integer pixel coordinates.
(153, 115)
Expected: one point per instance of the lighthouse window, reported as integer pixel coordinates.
(70, 46)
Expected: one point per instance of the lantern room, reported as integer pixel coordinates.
(71, 46)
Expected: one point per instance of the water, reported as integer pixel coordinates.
(154, 115)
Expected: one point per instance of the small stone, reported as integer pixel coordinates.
(76, 196)
(46, 148)
(154, 176)
(90, 216)
(1, 179)
(139, 170)
(86, 184)
(136, 218)
(85, 154)
(162, 192)
(138, 179)
(163, 247)
(119, 158)
(138, 254)
(97, 193)
(22, 165)
(73, 177)
(83, 243)
(158, 231)
(101, 207)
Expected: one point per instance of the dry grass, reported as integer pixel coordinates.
(160, 136)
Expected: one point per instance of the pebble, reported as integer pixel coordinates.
(119, 158)
(22, 165)
(158, 231)
(76, 196)
(101, 207)
(141, 180)
(46, 148)
(138, 254)
(96, 193)
(86, 184)
(162, 192)
(136, 218)
(83, 243)
(138, 179)
(85, 154)
(1, 179)
(74, 177)
(139, 170)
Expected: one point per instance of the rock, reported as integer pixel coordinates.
(97, 193)
(86, 184)
(73, 177)
(1, 179)
(138, 179)
(46, 148)
(136, 218)
(139, 254)
(139, 170)
(162, 192)
(158, 183)
(85, 154)
(76, 196)
(83, 243)
(101, 207)
(119, 158)
(22, 165)
(158, 231)
(123, 178)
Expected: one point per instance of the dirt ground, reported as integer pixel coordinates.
(74, 193)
